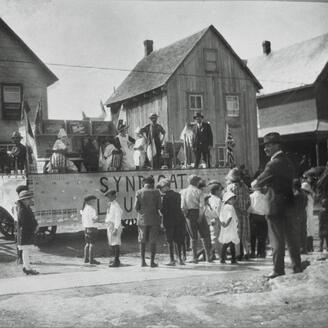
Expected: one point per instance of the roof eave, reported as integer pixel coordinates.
(51, 76)
(285, 91)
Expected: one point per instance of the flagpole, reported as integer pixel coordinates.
(27, 152)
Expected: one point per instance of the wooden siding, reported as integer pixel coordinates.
(25, 72)
(321, 91)
(137, 113)
(229, 79)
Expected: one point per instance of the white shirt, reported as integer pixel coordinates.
(212, 210)
(114, 215)
(259, 203)
(191, 198)
(89, 217)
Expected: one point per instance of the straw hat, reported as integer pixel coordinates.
(305, 186)
(228, 195)
(89, 197)
(25, 194)
(153, 115)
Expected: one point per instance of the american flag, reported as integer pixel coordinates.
(230, 143)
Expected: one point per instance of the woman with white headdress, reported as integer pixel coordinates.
(125, 144)
(59, 163)
(140, 146)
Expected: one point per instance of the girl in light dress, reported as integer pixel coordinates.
(310, 224)
(229, 236)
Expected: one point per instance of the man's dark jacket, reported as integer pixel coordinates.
(171, 209)
(26, 225)
(203, 136)
(278, 174)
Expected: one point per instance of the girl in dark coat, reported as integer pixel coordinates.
(26, 226)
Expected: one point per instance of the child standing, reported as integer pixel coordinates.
(258, 209)
(89, 222)
(114, 227)
(309, 215)
(213, 205)
(323, 224)
(229, 227)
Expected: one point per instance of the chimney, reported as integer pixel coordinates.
(148, 47)
(266, 45)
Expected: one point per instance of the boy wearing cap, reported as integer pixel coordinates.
(229, 227)
(27, 226)
(89, 222)
(148, 205)
(173, 219)
(192, 205)
(114, 227)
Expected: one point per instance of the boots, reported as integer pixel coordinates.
(223, 253)
(171, 252)
(91, 255)
(143, 254)
(152, 256)
(86, 253)
(179, 247)
(116, 263)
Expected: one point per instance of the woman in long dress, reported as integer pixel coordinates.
(236, 185)
(125, 144)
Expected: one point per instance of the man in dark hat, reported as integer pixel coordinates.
(18, 152)
(283, 226)
(155, 135)
(202, 140)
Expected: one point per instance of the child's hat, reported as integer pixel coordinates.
(228, 195)
(89, 197)
(163, 183)
(110, 192)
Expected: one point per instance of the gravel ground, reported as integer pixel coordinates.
(238, 297)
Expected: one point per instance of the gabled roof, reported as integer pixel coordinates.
(294, 66)
(156, 69)
(51, 76)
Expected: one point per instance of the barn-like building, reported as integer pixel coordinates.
(199, 73)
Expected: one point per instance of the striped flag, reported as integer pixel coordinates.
(230, 143)
(38, 118)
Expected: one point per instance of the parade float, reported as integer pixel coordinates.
(58, 197)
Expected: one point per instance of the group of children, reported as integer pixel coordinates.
(219, 214)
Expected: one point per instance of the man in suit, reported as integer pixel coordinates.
(202, 140)
(283, 225)
(155, 133)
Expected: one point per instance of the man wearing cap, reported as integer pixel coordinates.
(155, 134)
(148, 205)
(202, 140)
(278, 175)
(18, 152)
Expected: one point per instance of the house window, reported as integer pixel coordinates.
(210, 56)
(232, 105)
(11, 101)
(196, 102)
(221, 156)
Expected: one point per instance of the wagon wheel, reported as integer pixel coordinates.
(45, 234)
(7, 225)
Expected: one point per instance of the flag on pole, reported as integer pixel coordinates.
(230, 143)
(38, 118)
(29, 137)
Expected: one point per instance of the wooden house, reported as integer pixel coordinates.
(23, 76)
(199, 73)
(294, 99)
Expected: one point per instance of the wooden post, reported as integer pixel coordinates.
(317, 153)
(173, 149)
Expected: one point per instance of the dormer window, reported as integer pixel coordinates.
(210, 56)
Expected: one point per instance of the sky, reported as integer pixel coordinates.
(110, 34)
